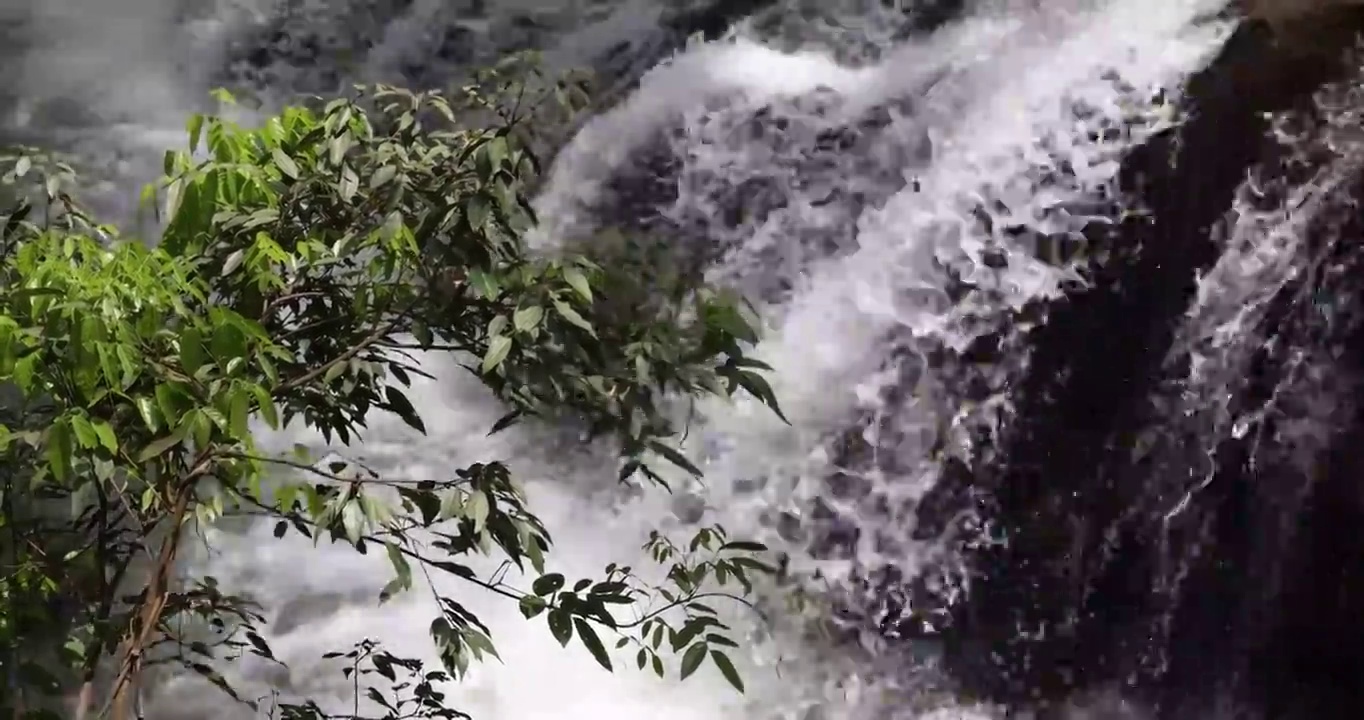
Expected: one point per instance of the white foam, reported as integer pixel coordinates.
(1012, 84)
(1007, 83)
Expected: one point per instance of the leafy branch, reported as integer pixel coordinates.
(302, 264)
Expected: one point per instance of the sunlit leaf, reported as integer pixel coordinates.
(498, 349)
(575, 278)
(285, 164)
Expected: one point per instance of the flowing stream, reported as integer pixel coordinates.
(853, 177)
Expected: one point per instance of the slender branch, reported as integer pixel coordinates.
(312, 469)
(684, 601)
(277, 302)
(154, 599)
(154, 602)
(321, 370)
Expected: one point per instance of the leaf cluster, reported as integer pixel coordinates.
(302, 267)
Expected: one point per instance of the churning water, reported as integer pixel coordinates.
(854, 193)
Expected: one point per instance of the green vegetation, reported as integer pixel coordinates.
(302, 264)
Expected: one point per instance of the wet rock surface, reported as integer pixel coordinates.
(1095, 585)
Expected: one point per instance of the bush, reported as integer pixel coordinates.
(300, 267)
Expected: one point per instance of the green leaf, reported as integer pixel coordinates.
(24, 371)
(692, 660)
(476, 210)
(505, 422)
(727, 318)
(573, 317)
(528, 318)
(267, 407)
(228, 343)
(498, 349)
(59, 450)
(757, 384)
(560, 626)
(484, 284)
(223, 95)
(195, 127)
(85, 432)
(547, 584)
(167, 401)
(147, 410)
(744, 546)
(532, 606)
(239, 413)
(692, 630)
(285, 164)
(578, 281)
(353, 521)
(422, 333)
(349, 185)
(477, 509)
(232, 262)
(403, 408)
(535, 553)
(192, 355)
(382, 176)
(727, 669)
(589, 638)
(106, 436)
(159, 446)
(497, 325)
(336, 151)
(675, 457)
(334, 371)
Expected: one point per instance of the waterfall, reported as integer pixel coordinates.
(1059, 300)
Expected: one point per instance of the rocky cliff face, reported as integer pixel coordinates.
(1277, 13)
(1252, 588)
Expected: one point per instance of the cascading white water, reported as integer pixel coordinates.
(1002, 112)
(986, 110)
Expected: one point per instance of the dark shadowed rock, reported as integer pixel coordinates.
(1094, 586)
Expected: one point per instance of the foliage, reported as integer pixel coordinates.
(301, 266)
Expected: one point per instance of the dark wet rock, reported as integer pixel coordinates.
(748, 486)
(305, 47)
(689, 508)
(1263, 610)
(789, 527)
(857, 32)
